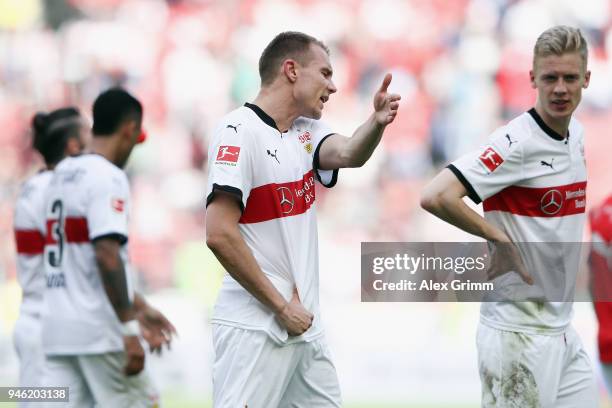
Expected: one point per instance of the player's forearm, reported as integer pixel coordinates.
(112, 272)
(232, 252)
(140, 303)
(359, 147)
(443, 197)
(456, 212)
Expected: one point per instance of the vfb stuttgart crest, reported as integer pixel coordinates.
(305, 139)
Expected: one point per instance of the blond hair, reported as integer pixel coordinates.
(560, 40)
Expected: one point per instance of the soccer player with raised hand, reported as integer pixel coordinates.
(264, 158)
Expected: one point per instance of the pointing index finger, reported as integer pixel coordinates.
(385, 83)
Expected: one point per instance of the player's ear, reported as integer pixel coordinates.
(129, 129)
(290, 70)
(532, 79)
(587, 79)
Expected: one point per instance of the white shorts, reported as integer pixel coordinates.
(98, 379)
(28, 345)
(529, 370)
(251, 370)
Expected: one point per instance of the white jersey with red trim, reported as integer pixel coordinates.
(88, 198)
(533, 184)
(29, 228)
(273, 174)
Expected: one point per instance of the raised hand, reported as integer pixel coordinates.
(385, 103)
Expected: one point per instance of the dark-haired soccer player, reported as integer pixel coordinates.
(90, 328)
(260, 223)
(56, 134)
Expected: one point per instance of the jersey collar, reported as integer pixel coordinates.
(262, 115)
(547, 129)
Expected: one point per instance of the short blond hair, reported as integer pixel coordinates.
(560, 40)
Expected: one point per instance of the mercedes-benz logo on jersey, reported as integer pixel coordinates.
(551, 202)
(286, 199)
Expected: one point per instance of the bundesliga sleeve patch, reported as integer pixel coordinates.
(228, 155)
(491, 159)
(118, 205)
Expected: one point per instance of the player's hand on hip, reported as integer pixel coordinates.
(506, 257)
(134, 355)
(385, 104)
(294, 317)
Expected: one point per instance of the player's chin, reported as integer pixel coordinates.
(561, 113)
(561, 110)
(315, 113)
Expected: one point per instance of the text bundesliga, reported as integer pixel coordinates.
(429, 285)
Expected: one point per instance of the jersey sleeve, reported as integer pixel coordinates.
(321, 131)
(28, 222)
(107, 209)
(487, 171)
(230, 164)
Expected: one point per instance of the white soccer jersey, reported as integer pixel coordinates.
(87, 198)
(29, 227)
(533, 184)
(274, 176)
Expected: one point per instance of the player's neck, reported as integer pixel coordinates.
(105, 147)
(559, 125)
(274, 103)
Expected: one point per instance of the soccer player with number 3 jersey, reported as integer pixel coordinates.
(92, 318)
(531, 178)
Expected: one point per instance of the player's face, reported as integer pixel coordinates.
(559, 80)
(314, 83)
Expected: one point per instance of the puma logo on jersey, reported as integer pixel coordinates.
(510, 141)
(233, 127)
(273, 155)
(543, 163)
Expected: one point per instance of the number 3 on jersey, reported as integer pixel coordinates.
(54, 244)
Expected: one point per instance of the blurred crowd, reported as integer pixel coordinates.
(461, 67)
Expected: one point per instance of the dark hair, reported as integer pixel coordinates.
(52, 130)
(112, 108)
(289, 44)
